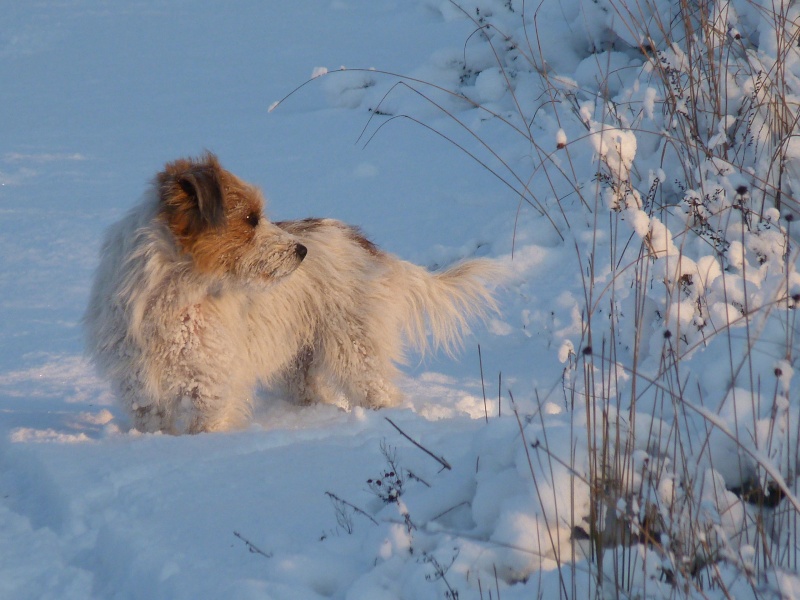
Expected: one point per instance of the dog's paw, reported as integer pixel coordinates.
(381, 395)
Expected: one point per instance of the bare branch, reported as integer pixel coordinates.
(439, 459)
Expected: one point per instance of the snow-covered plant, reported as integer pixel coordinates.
(692, 317)
(388, 486)
(662, 145)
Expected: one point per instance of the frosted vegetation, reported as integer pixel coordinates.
(656, 143)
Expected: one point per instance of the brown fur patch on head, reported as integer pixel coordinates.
(191, 195)
(212, 213)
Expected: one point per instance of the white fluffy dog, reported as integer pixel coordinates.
(198, 298)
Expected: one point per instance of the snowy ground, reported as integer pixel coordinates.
(98, 96)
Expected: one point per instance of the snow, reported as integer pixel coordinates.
(643, 368)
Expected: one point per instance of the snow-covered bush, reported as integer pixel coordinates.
(658, 142)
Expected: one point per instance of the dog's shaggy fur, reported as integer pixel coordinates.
(198, 297)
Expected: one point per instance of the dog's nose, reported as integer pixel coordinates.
(301, 251)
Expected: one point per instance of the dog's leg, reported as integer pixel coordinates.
(367, 376)
(202, 387)
(147, 414)
(150, 419)
(375, 392)
(304, 381)
(196, 412)
(218, 408)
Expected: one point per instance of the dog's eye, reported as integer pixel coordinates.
(252, 219)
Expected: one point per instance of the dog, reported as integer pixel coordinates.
(198, 299)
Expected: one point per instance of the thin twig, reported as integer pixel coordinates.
(451, 509)
(361, 512)
(438, 459)
(499, 394)
(251, 547)
(553, 544)
(483, 387)
(414, 477)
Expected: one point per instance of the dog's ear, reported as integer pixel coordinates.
(204, 191)
(192, 195)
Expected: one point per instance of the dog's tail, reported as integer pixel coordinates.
(440, 306)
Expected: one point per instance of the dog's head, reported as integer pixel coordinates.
(217, 219)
